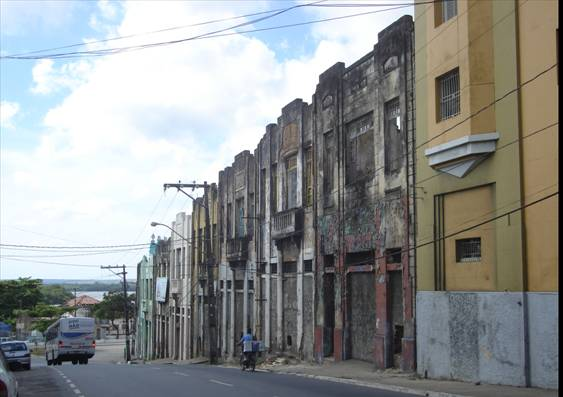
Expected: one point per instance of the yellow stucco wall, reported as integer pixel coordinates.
(461, 210)
(481, 41)
(538, 21)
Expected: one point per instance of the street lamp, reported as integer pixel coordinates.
(153, 224)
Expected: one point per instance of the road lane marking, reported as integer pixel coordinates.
(181, 374)
(77, 391)
(220, 383)
(72, 385)
(68, 381)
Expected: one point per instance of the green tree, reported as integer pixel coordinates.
(55, 294)
(22, 294)
(112, 307)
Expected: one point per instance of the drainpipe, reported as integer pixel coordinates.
(525, 309)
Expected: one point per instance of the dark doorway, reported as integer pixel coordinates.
(396, 315)
(328, 330)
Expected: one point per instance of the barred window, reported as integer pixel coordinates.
(309, 177)
(468, 250)
(448, 89)
(308, 266)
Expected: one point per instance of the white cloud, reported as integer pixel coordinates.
(7, 112)
(49, 79)
(133, 121)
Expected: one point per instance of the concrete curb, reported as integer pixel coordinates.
(381, 386)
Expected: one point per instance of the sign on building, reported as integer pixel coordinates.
(161, 289)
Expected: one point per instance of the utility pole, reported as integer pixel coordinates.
(125, 300)
(210, 262)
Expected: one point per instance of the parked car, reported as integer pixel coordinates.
(8, 382)
(17, 354)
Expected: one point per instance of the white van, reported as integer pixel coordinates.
(70, 339)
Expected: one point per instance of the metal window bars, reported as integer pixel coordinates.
(449, 94)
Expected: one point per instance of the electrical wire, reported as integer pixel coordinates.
(212, 34)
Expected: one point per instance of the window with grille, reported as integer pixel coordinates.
(468, 250)
(308, 266)
(448, 90)
(273, 268)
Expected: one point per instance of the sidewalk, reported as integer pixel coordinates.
(362, 373)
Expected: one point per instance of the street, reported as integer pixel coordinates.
(103, 376)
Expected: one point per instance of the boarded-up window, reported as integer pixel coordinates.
(393, 141)
(291, 182)
(359, 148)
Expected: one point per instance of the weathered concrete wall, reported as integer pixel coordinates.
(308, 320)
(544, 339)
(479, 336)
(290, 312)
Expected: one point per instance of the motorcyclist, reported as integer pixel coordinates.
(246, 343)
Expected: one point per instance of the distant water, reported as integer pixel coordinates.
(99, 295)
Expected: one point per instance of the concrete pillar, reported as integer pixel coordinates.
(279, 331)
(300, 300)
(267, 303)
(224, 330)
(245, 299)
(232, 312)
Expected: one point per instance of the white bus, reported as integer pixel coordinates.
(70, 339)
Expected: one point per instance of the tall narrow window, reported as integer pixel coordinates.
(392, 136)
(328, 167)
(448, 91)
(309, 177)
(229, 220)
(263, 192)
(359, 148)
(239, 221)
(291, 182)
(274, 189)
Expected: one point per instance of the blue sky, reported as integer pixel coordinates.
(86, 143)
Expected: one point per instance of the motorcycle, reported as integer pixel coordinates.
(248, 361)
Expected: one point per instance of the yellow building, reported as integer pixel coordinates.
(198, 275)
(487, 190)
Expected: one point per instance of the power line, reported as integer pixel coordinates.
(212, 34)
(73, 247)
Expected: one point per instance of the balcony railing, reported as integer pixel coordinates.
(287, 223)
(237, 249)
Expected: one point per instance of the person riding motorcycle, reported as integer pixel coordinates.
(246, 343)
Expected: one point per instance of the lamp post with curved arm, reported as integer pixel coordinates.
(188, 309)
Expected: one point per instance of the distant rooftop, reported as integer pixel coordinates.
(82, 300)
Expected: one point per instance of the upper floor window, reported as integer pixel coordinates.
(447, 86)
(444, 10)
(392, 136)
(291, 182)
(359, 148)
(309, 177)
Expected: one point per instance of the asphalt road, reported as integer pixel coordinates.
(108, 379)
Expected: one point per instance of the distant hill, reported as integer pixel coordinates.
(63, 281)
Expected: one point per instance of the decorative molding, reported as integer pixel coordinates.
(460, 156)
